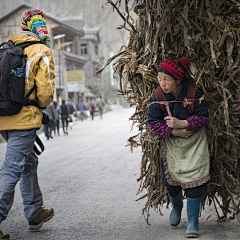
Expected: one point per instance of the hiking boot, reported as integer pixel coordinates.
(4, 235)
(44, 216)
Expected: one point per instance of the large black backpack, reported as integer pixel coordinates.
(12, 83)
(12, 78)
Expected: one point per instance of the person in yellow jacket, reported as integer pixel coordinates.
(19, 130)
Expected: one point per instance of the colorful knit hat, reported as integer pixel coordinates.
(34, 21)
(177, 67)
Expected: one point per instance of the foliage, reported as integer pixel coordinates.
(206, 32)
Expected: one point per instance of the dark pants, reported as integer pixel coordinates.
(173, 191)
(49, 128)
(56, 127)
(92, 114)
(82, 116)
(64, 123)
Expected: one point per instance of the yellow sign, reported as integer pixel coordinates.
(75, 76)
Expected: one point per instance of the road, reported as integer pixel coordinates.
(89, 178)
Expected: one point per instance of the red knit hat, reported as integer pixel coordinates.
(177, 67)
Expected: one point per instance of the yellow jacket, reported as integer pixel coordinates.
(39, 70)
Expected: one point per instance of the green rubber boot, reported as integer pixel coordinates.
(175, 215)
(193, 209)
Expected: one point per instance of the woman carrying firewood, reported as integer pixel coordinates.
(178, 115)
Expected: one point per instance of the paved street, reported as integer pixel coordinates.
(89, 178)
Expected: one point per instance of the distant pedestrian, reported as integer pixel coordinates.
(58, 111)
(73, 112)
(100, 105)
(65, 116)
(82, 107)
(52, 120)
(71, 105)
(91, 107)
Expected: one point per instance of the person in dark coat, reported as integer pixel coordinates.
(57, 113)
(64, 117)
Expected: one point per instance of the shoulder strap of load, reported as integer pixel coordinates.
(160, 96)
(190, 95)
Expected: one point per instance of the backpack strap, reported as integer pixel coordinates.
(27, 102)
(190, 97)
(26, 44)
(160, 96)
(9, 43)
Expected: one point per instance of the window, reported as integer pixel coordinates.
(96, 50)
(69, 66)
(78, 67)
(83, 49)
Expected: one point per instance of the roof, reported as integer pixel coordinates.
(74, 57)
(65, 26)
(74, 21)
(91, 30)
(90, 33)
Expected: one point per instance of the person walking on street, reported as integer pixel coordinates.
(52, 120)
(185, 162)
(71, 105)
(65, 116)
(100, 105)
(91, 108)
(19, 130)
(58, 111)
(82, 107)
(72, 113)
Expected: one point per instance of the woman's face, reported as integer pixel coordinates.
(168, 84)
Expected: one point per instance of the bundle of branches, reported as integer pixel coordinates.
(206, 32)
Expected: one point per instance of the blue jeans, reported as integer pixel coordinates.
(20, 164)
(100, 112)
(49, 128)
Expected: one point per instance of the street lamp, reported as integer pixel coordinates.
(58, 37)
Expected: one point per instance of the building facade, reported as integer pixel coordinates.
(90, 50)
(66, 48)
